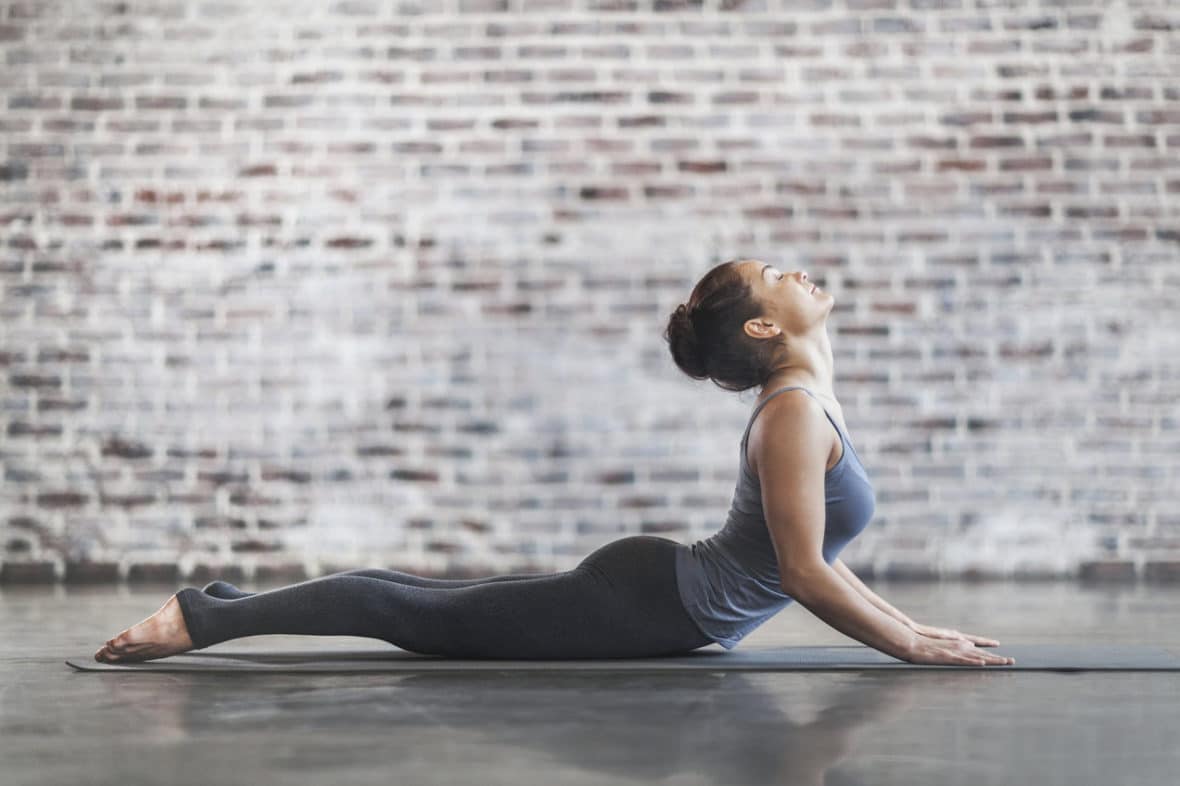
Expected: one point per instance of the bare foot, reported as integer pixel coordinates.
(160, 635)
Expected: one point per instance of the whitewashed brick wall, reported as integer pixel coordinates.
(295, 287)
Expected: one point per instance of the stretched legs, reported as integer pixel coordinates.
(565, 615)
(620, 602)
(223, 589)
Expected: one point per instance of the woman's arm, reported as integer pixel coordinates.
(869, 595)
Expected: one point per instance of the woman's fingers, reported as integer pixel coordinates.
(986, 658)
(983, 657)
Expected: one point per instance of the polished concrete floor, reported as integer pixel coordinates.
(970, 727)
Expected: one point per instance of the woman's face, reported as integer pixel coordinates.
(789, 299)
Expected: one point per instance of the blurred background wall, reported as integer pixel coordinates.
(295, 287)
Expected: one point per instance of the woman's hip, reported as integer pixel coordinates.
(640, 572)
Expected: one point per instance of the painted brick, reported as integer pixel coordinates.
(397, 299)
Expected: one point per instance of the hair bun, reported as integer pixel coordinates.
(682, 338)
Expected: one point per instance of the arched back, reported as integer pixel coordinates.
(729, 583)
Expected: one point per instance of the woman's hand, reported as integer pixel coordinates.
(944, 646)
(953, 652)
(946, 633)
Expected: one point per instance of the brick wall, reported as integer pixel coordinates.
(295, 287)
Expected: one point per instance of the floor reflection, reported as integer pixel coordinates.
(734, 728)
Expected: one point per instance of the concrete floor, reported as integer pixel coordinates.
(974, 728)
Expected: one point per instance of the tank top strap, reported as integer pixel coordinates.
(766, 400)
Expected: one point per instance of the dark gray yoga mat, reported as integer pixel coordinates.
(1029, 657)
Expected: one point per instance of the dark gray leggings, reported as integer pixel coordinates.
(619, 602)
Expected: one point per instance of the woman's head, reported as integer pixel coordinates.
(739, 321)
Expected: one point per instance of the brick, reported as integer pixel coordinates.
(91, 572)
(1107, 570)
(128, 449)
(153, 573)
(96, 103)
(1037, 163)
(702, 167)
(62, 499)
(961, 164)
(1162, 570)
(991, 141)
(203, 573)
(149, 103)
(35, 572)
(286, 572)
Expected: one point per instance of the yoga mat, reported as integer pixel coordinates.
(1029, 657)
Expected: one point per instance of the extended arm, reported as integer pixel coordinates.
(868, 594)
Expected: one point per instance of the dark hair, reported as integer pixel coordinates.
(706, 336)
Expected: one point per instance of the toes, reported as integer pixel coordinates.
(124, 641)
(122, 647)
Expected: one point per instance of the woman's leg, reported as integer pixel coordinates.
(223, 589)
(621, 601)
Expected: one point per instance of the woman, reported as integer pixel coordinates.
(746, 325)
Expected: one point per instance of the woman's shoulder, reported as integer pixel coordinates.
(798, 415)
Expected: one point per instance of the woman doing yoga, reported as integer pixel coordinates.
(801, 496)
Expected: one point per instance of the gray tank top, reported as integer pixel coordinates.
(729, 583)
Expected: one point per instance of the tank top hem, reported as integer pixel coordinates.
(684, 558)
